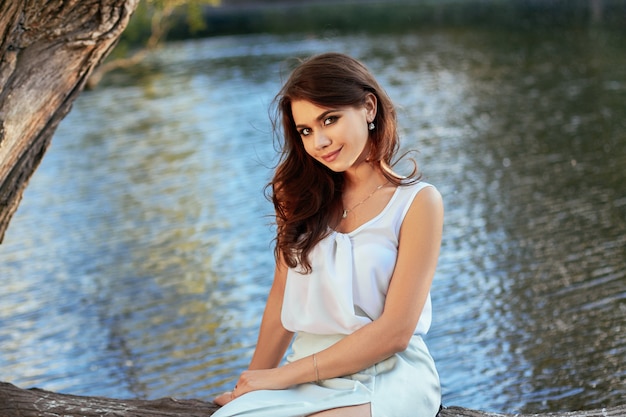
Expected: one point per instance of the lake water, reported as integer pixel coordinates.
(138, 262)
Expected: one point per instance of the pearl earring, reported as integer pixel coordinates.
(371, 126)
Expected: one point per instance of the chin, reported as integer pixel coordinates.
(336, 168)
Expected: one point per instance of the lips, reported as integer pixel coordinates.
(330, 157)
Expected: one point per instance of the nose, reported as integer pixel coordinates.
(321, 140)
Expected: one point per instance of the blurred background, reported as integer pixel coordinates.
(139, 260)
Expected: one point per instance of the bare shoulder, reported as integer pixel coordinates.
(425, 212)
(427, 200)
(422, 228)
(430, 192)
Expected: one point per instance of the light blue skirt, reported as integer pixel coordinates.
(405, 384)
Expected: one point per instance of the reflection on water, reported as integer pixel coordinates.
(138, 262)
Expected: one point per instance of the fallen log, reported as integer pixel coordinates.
(34, 402)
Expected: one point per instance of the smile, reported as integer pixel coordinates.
(330, 157)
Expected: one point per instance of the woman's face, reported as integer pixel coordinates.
(338, 136)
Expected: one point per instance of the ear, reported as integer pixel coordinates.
(371, 106)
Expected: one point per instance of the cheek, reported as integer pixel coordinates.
(306, 146)
(362, 134)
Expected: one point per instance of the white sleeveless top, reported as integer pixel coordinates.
(351, 273)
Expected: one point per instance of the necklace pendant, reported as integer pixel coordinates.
(344, 214)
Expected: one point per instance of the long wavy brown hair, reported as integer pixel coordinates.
(306, 194)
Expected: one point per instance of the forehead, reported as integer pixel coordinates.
(305, 111)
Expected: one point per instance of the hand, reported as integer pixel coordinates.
(260, 379)
(271, 379)
(224, 398)
(253, 381)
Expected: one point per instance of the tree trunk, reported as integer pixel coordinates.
(48, 49)
(17, 402)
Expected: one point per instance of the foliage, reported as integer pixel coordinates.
(151, 13)
(147, 28)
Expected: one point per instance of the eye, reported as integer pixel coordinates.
(330, 120)
(305, 131)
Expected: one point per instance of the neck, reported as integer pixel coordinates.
(364, 173)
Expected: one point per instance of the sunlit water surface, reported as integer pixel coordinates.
(141, 255)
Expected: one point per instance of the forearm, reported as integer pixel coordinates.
(367, 346)
(271, 345)
(352, 354)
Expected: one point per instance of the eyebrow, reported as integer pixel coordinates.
(320, 117)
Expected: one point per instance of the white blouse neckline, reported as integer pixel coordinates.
(373, 219)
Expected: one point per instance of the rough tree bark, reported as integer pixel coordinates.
(17, 402)
(48, 49)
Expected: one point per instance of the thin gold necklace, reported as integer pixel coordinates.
(346, 211)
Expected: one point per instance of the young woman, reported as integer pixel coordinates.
(356, 251)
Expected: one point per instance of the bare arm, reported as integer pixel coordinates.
(420, 240)
(273, 338)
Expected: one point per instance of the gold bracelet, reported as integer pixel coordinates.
(317, 374)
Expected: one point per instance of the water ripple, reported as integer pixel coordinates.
(140, 258)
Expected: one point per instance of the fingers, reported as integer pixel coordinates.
(243, 386)
(224, 398)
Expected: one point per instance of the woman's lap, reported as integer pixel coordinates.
(405, 381)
